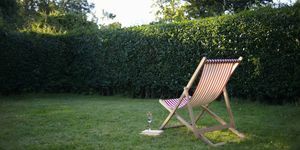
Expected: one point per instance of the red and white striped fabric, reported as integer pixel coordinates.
(214, 77)
(171, 103)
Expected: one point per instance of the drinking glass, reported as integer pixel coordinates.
(149, 120)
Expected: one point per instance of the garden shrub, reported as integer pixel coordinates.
(158, 60)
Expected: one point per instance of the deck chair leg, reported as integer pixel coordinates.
(197, 132)
(232, 123)
(182, 121)
(172, 112)
(185, 123)
(199, 115)
(214, 116)
(166, 121)
(191, 114)
(220, 120)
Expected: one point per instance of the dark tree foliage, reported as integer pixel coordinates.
(46, 6)
(46, 16)
(206, 8)
(8, 11)
(8, 7)
(77, 6)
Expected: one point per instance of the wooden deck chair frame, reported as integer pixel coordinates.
(199, 133)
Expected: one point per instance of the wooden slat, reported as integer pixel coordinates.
(188, 125)
(195, 74)
(199, 115)
(172, 112)
(228, 107)
(241, 135)
(174, 126)
(215, 116)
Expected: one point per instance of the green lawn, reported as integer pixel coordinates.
(67, 121)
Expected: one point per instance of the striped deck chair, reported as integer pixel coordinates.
(215, 75)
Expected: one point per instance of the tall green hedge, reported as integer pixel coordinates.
(158, 60)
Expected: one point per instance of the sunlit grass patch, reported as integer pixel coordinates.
(223, 136)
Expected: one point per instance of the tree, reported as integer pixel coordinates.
(47, 6)
(8, 7)
(169, 10)
(107, 15)
(206, 8)
(114, 25)
(176, 10)
(76, 6)
(8, 11)
(55, 16)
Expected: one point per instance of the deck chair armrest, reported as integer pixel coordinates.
(186, 91)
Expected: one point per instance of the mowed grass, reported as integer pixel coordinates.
(68, 121)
